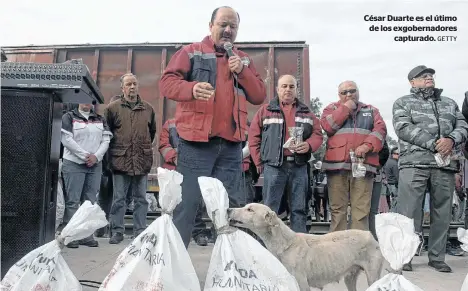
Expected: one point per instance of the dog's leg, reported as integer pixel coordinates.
(374, 269)
(351, 277)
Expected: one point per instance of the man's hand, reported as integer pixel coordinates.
(235, 64)
(203, 91)
(302, 147)
(351, 104)
(259, 170)
(91, 160)
(362, 150)
(444, 146)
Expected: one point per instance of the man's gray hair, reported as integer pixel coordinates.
(352, 82)
(126, 75)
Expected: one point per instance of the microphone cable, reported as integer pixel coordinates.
(236, 96)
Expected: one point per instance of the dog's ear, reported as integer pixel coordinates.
(270, 218)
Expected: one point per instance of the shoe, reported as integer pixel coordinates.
(201, 240)
(454, 250)
(116, 238)
(440, 266)
(408, 267)
(100, 232)
(73, 245)
(89, 243)
(136, 234)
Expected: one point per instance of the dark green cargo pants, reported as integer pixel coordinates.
(411, 191)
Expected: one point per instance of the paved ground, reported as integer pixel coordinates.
(94, 264)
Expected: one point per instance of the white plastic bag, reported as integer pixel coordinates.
(289, 144)
(152, 202)
(44, 268)
(441, 160)
(398, 244)
(157, 258)
(357, 163)
(60, 210)
(462, 235)
(238, 261)
(295, 138)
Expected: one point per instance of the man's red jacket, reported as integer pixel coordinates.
(347, 130)
(167, 148)
(196, 119)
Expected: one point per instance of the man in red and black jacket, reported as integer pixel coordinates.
(351, 126)
(211, 86)
(168, 142)
(285, 167)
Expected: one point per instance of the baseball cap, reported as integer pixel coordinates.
(418, 71)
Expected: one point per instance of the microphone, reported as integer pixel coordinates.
(230, 53)
(228, 49)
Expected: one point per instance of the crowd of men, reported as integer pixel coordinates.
(210, 135)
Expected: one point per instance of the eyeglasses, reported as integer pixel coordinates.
(426, 76)
(345, 92)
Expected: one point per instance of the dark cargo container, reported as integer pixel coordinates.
(108, 62)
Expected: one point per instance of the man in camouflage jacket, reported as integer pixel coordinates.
(428, 123)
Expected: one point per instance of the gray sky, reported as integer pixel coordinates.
(341, 45)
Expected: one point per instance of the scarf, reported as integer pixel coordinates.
(424, 93)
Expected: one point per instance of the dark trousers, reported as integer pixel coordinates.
(412, 187)
(249, 188)
(374, 208)
(217, 158)
(81, 184)
(106, 193)
(199, 226)
(295, 178)
(121, 183)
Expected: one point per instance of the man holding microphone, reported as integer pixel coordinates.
(212, 83)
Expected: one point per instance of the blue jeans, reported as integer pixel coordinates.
(217, 158)
(81, 183)
(295, 178)
(121, 183)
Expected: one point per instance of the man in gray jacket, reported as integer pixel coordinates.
(427, 124)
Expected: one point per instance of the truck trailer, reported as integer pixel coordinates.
(108, 62)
